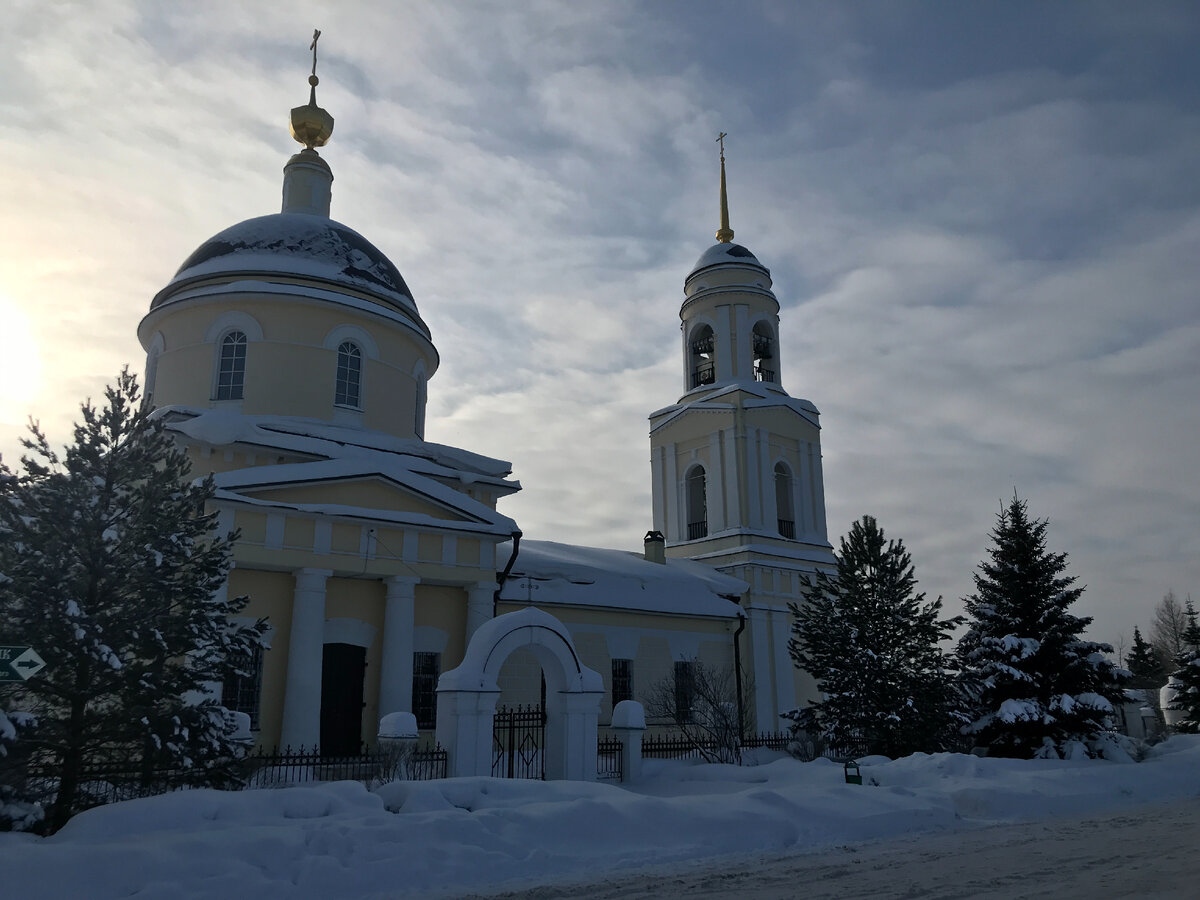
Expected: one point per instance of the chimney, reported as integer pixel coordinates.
(656, 547)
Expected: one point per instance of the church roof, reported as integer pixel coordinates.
(297, 245)
(550, 574)
(721, 253)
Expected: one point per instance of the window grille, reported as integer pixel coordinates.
(622, 680)
(242, 693)
(426, 669)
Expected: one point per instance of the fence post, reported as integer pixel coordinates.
(629, 723)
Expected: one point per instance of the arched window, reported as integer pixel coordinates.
(349, 375)
(763, 337)
(697, 505)
(231, 367)
(702, 356)
(784, 508)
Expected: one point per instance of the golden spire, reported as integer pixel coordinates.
(724, 233)
(311, 125)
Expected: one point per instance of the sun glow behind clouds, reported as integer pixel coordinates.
(20, 363)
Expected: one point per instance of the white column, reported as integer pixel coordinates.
(733, 518)
(717, 516)
(479, 605)
(658, 516)
(819, 493)
(396, 669)
(302, 700)
(675, 512)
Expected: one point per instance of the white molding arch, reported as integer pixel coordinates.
(467, 697)
(233, 320)
(353, 333)
(349, 631)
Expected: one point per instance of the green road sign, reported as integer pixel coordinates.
(19, 663)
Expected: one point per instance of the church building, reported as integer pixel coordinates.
(289, 358)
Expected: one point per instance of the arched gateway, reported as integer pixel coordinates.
(467, 696)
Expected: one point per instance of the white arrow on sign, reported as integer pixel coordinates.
(27, 664)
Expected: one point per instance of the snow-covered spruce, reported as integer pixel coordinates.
(872, 645)
(112, 575)
(1186, 677)
(1035, 686)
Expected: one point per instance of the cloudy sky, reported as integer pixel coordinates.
(982, 219)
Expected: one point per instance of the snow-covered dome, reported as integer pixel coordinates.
(295, 245)
(721, 253)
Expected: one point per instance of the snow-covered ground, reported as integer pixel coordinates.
(479, 835)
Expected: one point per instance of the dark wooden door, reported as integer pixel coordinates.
(342, 668)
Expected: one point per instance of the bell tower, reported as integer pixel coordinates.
(736, 461)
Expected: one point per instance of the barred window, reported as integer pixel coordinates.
(231, 369)
(622, 680)
(426, 669)
(242, 693)
(349, 375)
(685, 690)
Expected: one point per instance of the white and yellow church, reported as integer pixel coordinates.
(289, 358)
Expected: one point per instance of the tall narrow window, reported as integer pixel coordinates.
(419, 412)
(426, 668)
(231, 370)
(783, 501)
(697, 506)
(622, 680)
(349, 375)
(763, 351)
(685, 691)
(242, 692)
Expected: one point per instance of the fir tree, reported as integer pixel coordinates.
(1187, 676)
(1143, 664)
(111, 572)
(1038, 688)
(872, 645)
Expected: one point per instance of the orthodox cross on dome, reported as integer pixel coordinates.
(311, 125)
(724, 233)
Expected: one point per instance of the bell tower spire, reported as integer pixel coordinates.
(724, 233)
(307, 179)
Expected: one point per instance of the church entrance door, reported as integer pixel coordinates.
(342, 669)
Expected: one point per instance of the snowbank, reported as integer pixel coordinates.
(442, 838)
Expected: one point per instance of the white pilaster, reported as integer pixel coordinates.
(733, 520)
(658, 519)
(480, 601)
(306, 643)
(819, 494)
(785, 681)
(717, 514)
(764, 713)
(753, 482)
(396, 668)
(724, 337)
(674, 510)
(804, 516)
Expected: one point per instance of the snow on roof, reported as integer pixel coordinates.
(554, 574)
(297, 244)
(324, 439)
(719, 254)
(393, 469)
(766, 396)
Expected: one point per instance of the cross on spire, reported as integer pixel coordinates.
(313, 48)
(724, 233)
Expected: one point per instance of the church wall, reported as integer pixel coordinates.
(270, 596)
(444, 609)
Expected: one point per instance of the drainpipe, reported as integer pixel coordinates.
(516, 539)
(737, 674)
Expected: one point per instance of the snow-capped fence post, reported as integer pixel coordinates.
(629, 723)
(397, 740)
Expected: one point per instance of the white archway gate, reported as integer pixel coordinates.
(467, 695)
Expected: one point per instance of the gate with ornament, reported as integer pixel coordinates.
(518, 742)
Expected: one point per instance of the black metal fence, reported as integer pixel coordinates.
(679, 746)
(608, 759)
(371, 766)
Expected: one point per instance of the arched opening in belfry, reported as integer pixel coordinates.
(697, 503)
(785, 508)
(763, 348)
(702, 356)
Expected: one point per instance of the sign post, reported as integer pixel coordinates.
(19, 663)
